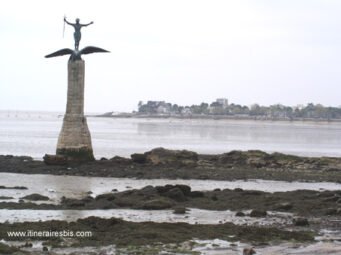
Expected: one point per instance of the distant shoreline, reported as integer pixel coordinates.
(212, 117)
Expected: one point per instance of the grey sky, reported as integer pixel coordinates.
(185, 52)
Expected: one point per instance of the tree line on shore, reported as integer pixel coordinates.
(309, 111)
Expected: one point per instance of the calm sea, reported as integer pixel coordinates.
(36, 133)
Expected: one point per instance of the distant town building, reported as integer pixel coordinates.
(219, 106)
(223, 101)
(155, 107)
(186, 111)
(163, 108)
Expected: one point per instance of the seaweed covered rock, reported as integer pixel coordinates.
(300, 221)
(175, 194)
(157, 204)
(5, 249)
(36, 197)
(258, 213)
(138, 158)
(55, 159)
(164, 156)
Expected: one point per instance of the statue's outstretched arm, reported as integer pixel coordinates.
(85, 25)
(67, 22)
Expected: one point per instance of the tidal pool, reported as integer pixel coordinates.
(193, 216)
(55, 186)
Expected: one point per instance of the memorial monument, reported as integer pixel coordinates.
(74, 142)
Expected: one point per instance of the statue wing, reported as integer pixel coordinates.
(60, 53)
(91, 49)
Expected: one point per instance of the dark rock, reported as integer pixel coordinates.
(326, 194)
(203, 177)
(330, 211)
(55, 159)
(157, 204)
(15, 187)
(240, 214)
(197, 194)
(36, 197)
(253, 192)
(28, 245)
(284, 206)
(232, 157)
(148, 191)
(5, 249)
(256, 162)
(333, 211)
(138, 158)
(121, 160)
(163, 189)
(332, 169)
(6, 198)
(331, 199)
(301, 222)
(88, 199)
(70, 202)
(175, 194)
(253, 158)
(106, 196)
(238, 190)
(179, 210)
(45, 248)
(184, 188)
(217, 190)
(106, 204)
(214, 197)
(19, 187)
(249, 251)
(258, 213)
(164, 156)
(103, 159)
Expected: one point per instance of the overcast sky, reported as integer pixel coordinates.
(184, 52)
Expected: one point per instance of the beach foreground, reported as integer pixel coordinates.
(173, 202)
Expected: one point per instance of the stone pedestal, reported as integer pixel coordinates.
(74, 139)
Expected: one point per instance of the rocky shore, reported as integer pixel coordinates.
(299, 202)
(182, 164)
(307, 213)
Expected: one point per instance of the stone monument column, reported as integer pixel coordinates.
(74, 139)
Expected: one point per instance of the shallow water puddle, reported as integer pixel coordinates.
(193, 216)
(55, 186)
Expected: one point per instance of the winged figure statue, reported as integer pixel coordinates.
(75, 54)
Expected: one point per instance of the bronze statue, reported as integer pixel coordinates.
(77, 34)
(76, 53)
